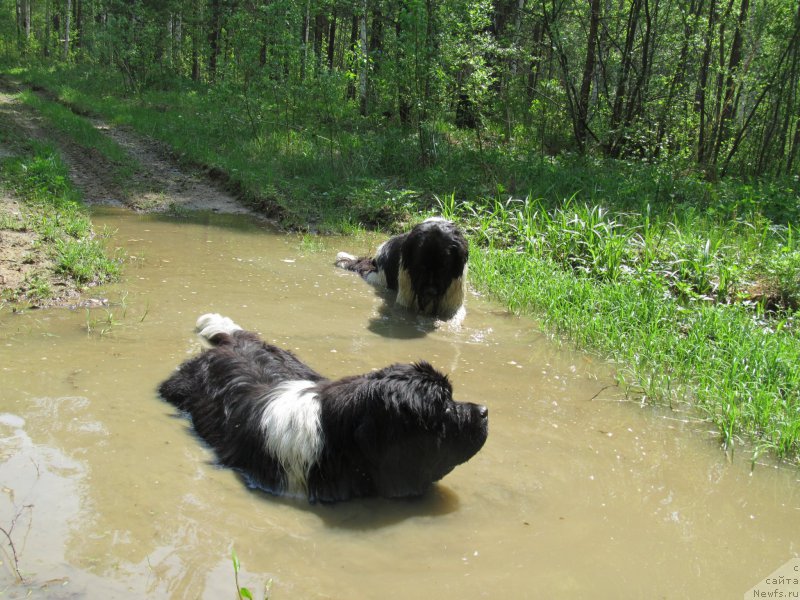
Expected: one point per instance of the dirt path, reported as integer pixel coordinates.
(158, 184)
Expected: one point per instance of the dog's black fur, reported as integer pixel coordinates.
(389, 433)
(427, 267)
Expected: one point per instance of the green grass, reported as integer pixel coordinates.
(80, 131)
(678, 310)
(52, 209)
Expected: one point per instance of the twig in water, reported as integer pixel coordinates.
(601, 390)
(11, 542)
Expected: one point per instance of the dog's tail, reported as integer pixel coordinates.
(363, 265)
(345, 260)
(210, 325)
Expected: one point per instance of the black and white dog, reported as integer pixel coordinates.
(289, 430)
(427, 267)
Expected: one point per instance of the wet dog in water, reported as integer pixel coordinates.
(389, 433)
(427, 267)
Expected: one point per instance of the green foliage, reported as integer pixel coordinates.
(698, 88)
(52, 209)
(42, 178)
(84, 260)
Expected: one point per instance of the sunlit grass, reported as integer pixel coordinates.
(80, 130)
(669, 305)
(51, 208)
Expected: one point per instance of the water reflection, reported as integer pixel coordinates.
(373, 513)
(396, 322)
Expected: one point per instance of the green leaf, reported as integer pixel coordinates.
(236, 563)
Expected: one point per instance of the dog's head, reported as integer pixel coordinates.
(404, 431)
(434, 258)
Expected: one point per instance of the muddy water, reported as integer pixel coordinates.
(107, 494)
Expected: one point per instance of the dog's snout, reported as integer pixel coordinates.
(483, 412)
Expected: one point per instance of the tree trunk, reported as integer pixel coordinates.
(214, 35)
(46, 42)
(792, 154)
(177, 40)
(582, 104)
(618, 120)
(79, 23)
(404, 103)
(363, 60)
(196, 33)
(716, 112)
(332, 40)
(26, 20)
(67, 18)
(728, 107)
(304, 37)
(320, 33)
(700, 95)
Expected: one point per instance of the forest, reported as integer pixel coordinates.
(707, 85)
(626, 170)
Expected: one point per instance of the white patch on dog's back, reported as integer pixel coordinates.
(293, 431)
(211, 324)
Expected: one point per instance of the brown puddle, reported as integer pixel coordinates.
(575, 493)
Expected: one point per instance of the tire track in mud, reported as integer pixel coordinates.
(160, 183)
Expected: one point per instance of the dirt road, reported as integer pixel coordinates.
(158, 184)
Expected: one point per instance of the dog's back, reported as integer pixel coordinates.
(252, 402)
(183, 388)
(236, 359)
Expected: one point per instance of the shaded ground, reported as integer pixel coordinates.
(158, 184)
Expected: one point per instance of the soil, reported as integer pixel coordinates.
(159, 184)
